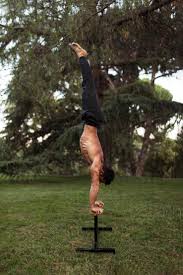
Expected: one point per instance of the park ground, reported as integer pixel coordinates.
(40, 227)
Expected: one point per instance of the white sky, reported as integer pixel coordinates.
(5, 77)
(173, 83)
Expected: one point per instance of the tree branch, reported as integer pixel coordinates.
(163, 75)
(3, 26)
(90, 17)
(135, 60)
(76, 30)
(144, 11)
(109, 80)
(167, 74)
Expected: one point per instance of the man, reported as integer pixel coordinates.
(89, 142)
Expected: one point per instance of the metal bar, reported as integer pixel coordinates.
(95, 247)
(105, 228)
(96, 232)
(99, 228)
(96, 250)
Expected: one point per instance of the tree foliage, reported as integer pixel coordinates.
(123, 38)
(178, 167)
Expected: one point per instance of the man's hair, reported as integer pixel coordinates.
(108, 175)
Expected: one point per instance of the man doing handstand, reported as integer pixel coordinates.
(89, 142)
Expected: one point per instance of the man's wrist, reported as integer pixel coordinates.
(92, 205)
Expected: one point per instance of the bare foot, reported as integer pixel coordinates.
(78, 49)
(96, 210)
(99, 204)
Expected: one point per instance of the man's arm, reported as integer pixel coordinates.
(94, 189)
(95, 182)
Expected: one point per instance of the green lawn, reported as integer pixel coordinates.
(40, 227)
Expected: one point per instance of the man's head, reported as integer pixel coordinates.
(107, 175)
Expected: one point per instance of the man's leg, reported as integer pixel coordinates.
(91, 114)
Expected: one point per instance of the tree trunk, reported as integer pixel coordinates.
(144, 150)
(153, 76)
(130, 73)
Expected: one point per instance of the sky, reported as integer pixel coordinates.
(173, 83)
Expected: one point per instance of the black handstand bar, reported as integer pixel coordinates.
(96, 247)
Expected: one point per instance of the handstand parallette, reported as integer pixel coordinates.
(96, 247)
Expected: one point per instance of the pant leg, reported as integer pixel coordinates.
(91, 113)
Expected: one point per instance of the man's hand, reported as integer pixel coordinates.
(99, 204)
(95, 210)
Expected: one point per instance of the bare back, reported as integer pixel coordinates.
(90, 144)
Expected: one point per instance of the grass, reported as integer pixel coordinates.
(40, 227)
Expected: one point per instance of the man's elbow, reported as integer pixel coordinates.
(95, 170)
(94, 187)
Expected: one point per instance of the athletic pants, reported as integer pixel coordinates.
(91, 112)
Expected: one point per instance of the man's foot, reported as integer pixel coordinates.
(78, 49)
(99, 204)
(96, 211)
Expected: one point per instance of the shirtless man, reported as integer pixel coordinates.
(89, 142)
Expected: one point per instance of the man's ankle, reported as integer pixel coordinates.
(81, 55)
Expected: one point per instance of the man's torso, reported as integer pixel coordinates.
(90, 145)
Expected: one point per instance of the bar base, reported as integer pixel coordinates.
(96, 250)
(99, 228)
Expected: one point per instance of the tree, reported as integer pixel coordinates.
(151, 126)
(134, 35)
(161, 159)
(178, 167)
(134, 106)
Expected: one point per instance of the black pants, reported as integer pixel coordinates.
(91, 113)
